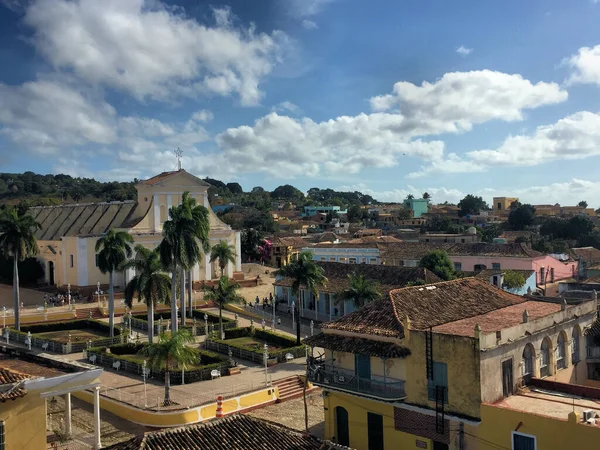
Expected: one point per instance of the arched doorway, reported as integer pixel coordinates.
(341, 426)
(50, 273)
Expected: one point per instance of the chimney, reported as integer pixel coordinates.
(563, 305)
(406, 324)
(477, 332)
(525, 316)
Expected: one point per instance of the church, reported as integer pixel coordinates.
(67, 239)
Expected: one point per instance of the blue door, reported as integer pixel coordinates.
(362, 366)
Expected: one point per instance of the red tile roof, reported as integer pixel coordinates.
(236, 432)
(364, 346)
(426, 306)
(10, 376)
(10, 388)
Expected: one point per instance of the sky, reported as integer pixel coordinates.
(388, 97)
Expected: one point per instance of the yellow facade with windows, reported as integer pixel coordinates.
(24, 423)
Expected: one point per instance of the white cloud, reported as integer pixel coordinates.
(309, 24)
(574, 137)
(48, 116)
(150, 51)
(464, 51)
(438, 194)
(306, 8)
(585, 66)
(203, 116)
(286, 106)
(458, 100)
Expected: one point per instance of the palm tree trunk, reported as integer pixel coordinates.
(190, 294)
(16, 292)
(182, 295)
(220, 322)
(167, 400)
(111, 303)
(150, 309)
(174, 300)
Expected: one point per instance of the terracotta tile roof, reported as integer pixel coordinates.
(236, 432)
(295, 242)
(594, 329)
(328, 236)
(499, 319)
(357, 345)
(347, 245)
(369, 232)
(409, 250)
(388, 277)
(426, 306)
(520, 250)
(589, 254)
(13, 393)
(376, 239)
(10, 376)
(10, 388)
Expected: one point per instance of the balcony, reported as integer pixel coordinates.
(593, 352)
(343, 380)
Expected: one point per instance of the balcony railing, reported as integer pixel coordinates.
(593, 352)
(339, 379)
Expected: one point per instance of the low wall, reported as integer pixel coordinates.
(566, 388)
(163, 419)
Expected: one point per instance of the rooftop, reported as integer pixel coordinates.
(368, 239)
(157, 179)
(290, 242)
(487, 273)
(426, 306)
(388, 277)
(236, 432)
(416, 250)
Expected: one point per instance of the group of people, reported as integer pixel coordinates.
(267, 302)
(58, 299)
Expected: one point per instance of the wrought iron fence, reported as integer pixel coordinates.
(255, 357)
(198, 330)
(61, 347)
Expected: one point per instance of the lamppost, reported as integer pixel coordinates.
(69, 294)
(293, 313)
(312, 328)
(274, 302)
(144, 374)
(4, 317)
(266, 358)
(28, 340)
(206, 324)
(7, 335)
(98, 292)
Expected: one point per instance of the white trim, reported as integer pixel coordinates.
(68, 390)
(512, 441)
(429, 412)
(157, 225)
(169, 202)
(238, 251)
(82, 262)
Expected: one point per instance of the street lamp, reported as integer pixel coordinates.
(69, 294)
(98, 292)
(4, 317)
(144, 374)
(206, 325)
(293, 313)
(312, 328)
(266, 358)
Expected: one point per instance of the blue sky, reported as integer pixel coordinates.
(388, 97)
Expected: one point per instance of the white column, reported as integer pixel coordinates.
(68, 428)
(207, 268)
(238, 251)
(97, 442)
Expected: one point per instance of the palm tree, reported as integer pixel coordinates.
(224, 253)
(113, 252)
(306, 274)
(151, 284)
(170, 352)
(223, 293)
(17, 239)
(187, 227)
(361, 290)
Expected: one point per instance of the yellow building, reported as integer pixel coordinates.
(444, 366)
(286, 249)
(501, 205)
(69, 233)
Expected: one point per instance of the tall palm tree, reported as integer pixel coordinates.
(361, 290)
(223, 293)
(306, 274)
(151, 284)
(170, 352)
(114, 249)
(224, 253)
(185, 237)
(17, 239)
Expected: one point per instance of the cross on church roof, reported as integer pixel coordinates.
(178, 153)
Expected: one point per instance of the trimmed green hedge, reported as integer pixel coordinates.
(69, 325)
(198, 315)
(280, 340)
(235, 333)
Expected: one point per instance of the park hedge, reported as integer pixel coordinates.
(197, 314)
(67, 325)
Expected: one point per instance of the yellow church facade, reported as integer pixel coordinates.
(68, 234)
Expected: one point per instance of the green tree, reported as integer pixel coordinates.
(410, 197)
(361, 291)
(513, 280)
(250, 239)
(438, 262)
(521, 217)
(169, 353)
(224, 253)
(17, 240)
(583, 204)
(223, 293)
(113, 252)
(491, 231)
(287, 191)
(427, 196)
(151, 284)
(354, 213)
(305, 274)
(185, 237)
(472, 205)
(438, 222)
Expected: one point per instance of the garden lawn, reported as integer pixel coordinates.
(82, 335)
(252, 344)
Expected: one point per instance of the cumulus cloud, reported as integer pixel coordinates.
(306, 8)
(286, 106)
(574, 137)
(150, 51)
(309, 24)
(464, 51)
(585, 66)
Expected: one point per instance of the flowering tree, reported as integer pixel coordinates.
(264, 250)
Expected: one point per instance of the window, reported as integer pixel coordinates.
(332, 258)
(551, 274)
(2, 436)
(373, 261)
(462, 241)
(522, 441)
(352, 260)
(527, 361)
(545, 366)
(496, 266)
(343, 260)
(575, 354)
(96, 259)
(479, 267)
(375, 431)
(323, 258)
(71, 261)
(440, 378)
(499, 205)
(561, 351)
(457, 266)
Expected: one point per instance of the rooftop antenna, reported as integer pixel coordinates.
(178, 154)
